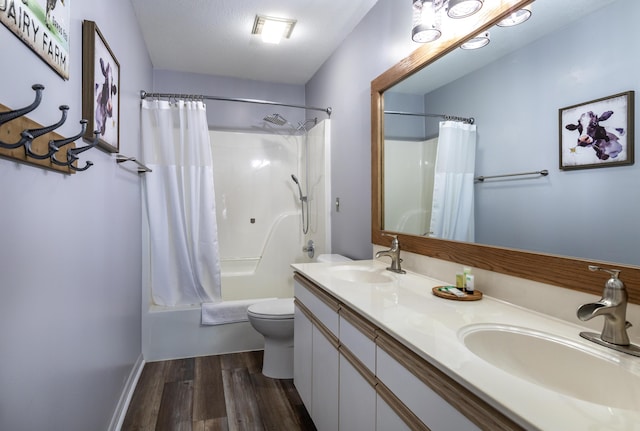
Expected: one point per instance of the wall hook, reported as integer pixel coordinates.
(12, 115)
(55, 145)
(28, 135)
(72, 154)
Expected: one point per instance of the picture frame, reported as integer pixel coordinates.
(44, 26)
(100, 89)
(598, 133)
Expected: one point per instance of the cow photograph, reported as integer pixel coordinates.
(597, 133)
(101, 89)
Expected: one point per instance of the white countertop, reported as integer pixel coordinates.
(430, 326)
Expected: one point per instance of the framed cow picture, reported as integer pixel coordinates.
(100, 89)
(598, 133)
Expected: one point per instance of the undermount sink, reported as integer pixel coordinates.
(556, 363)
(360, 274)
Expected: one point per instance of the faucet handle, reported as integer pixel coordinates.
(394, 236)
(614, 272)
(613, 282)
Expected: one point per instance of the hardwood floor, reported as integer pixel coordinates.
(214, 393)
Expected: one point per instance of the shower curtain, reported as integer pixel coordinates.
(179, 200)
(452, 215)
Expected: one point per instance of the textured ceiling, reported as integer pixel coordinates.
(214, 36)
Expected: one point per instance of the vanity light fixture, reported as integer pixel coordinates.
(426, 21)
(518, 17)
(478, 41)
(273, 29)
(428, 15)
(463, 8)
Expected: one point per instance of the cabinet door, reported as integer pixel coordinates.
(357, 399)
(302, 356)
(324, 393)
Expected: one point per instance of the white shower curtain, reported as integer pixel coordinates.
(452, 215)
(179, 199)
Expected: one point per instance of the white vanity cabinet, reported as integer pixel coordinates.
(352, 375)
(316, 359)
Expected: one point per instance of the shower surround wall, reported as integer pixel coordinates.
(259, 232)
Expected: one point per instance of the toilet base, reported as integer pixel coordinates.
(277, 362)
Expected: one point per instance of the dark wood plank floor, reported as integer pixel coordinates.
(214, 393)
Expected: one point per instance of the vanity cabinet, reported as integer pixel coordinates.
(316, 360)
(352, 375)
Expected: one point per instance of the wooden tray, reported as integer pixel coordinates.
(477, 295)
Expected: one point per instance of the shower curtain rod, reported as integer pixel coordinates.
(144, 95)
(469, 120)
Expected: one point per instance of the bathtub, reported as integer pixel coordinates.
(175, 332)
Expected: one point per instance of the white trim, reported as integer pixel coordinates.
(127, 394)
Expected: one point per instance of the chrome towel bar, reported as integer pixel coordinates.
(141, 167)
(542, 173)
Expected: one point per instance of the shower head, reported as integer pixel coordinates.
(276, 119)
(302, 125)
(295, 180)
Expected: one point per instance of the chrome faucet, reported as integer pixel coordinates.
(394, 254)
(613, 306)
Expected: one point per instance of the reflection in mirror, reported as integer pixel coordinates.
(514, 88)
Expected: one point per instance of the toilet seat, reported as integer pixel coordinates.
(276, 309)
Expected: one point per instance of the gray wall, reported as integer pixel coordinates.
(70, 257)
(587, 213)
(223, 115)
(344, 82)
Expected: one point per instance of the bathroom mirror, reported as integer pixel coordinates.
(427, 70)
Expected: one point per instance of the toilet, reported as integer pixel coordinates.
(274, 320)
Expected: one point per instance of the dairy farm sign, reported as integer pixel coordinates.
(43, 25)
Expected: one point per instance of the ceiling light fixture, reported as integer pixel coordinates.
(273, 29)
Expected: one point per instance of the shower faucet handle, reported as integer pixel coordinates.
(309, 249)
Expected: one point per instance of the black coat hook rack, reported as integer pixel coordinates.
(26, 141)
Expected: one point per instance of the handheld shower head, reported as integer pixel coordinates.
(295, 180)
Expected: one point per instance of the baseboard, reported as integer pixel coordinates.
(127, 394)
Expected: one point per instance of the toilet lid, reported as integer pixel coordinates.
(273, 309)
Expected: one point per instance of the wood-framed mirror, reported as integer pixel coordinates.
(555, 269)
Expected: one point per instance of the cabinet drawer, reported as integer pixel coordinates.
(323, 307)
(436, 399)
(358, 336)
(432, 410)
